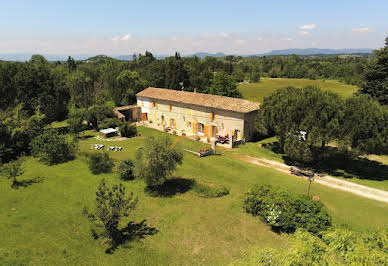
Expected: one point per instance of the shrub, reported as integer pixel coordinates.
(210, 190)
(286, 211)
(100, 163)
(52, 148)
(127, 130)
(338, 247)
(125, 170)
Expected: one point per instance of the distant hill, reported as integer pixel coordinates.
(316, 51)
(302, 52)
(204, 54)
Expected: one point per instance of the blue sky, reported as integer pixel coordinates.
(244, 27)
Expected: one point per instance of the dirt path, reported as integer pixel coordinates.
(329, 181)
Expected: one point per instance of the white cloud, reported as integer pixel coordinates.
(259, 38)
(289, 39)
(126, 37)
(308, 27)
(115, 38)
(361, 29)
(304, 33)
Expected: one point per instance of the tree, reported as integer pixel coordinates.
(375, 78)
(155, 161)
(52, 148)
(97, 113)
(125, 170)
(71, 64)
(291, 110)
(12, 170)
(176, 73)
(223, 84)
(255, 74)
(100, 163)
(127, 130)
(128, 84)
(80, 86)
(112, 205)
(365, 127)
(75, 119)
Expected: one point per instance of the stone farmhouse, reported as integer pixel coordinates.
(196, 114)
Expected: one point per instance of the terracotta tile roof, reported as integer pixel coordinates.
(207, 100)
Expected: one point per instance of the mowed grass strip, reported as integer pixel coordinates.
(257, 91)
(44, 222)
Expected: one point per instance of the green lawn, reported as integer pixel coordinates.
(257, 91)
(42, 223)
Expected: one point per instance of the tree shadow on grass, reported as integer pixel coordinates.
(171, 187)
(131, 232)
(28, 182)
(340, 163)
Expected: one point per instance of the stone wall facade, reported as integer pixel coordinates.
(197, 120)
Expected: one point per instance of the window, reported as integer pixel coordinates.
(154, 104)
(172, 123)
(212, 116)
(200, 128)
(189, 124)
(142, 103)
(170, 107)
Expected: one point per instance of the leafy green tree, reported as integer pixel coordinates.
(298, 150)
(365, 126)
(80, 86)
(176, 73)
(100, 163)
(75, 120)
(156, 160)
(71, 64)
(97, 113)
(224, 85)
(12, 170)
(255, 74)
(128, 84)
(291, 110)
(52, 148)
(375, 78)
(125, 170)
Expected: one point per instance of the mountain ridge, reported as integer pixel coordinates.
(297, 51)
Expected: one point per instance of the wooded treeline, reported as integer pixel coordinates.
(54, 85)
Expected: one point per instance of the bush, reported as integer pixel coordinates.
(210, 190)
(127, 130)
(100, 163)
(338, 247)
(125, 170)
(286, 211)
(52, 148)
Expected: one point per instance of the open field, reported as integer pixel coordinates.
(257, 91)
(45, 225)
